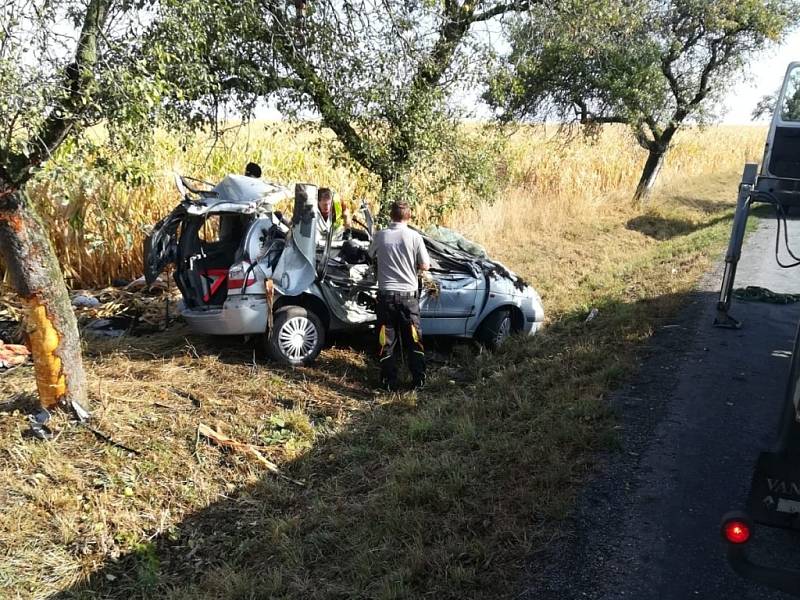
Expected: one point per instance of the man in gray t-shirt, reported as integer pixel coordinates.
(399, 252)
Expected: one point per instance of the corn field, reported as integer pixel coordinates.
(98, 224)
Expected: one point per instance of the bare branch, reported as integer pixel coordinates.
(77, 79)
(501, 9)
(587, 117)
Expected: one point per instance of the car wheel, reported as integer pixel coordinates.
(297, 336)
(495, 329)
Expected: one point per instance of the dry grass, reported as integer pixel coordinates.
(446, 494)
(79, 502)
(562, 232)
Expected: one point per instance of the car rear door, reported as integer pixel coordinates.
(161, 246)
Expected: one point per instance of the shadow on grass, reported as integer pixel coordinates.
(705, 205)
(442, 494)
(666, 228)
(24, 402)
(330, 368)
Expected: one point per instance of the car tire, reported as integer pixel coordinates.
(297, 336)
(495, 329)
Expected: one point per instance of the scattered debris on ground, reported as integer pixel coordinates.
(226, 441)
(134, 309)
(13, 355)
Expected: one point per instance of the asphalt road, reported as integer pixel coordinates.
(702, 407)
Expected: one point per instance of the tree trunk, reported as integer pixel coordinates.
(393, 188)
(386, 195)
(647, 181)
(50, 323)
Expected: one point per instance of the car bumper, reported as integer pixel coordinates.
(241, 315)
(533, 313)
(530, 328)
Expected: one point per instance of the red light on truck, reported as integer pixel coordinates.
(736, 532)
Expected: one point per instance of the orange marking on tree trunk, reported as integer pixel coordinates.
(13, 219)
(44, 340)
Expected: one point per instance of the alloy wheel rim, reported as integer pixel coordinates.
(503, 331)
(297, 338)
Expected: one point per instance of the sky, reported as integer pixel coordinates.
(763, 77)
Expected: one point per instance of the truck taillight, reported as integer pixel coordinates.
(736, 528)
(737, 532)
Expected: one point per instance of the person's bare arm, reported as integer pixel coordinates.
(423, 260)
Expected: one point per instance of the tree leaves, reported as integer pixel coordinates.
(650, 64)
(378, 73)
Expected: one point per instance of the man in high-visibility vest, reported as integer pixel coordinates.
(400, 253)
(330, 212)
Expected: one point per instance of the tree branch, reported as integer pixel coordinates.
(711, 65)
(308, 81)
(501, 9)
(78, 78)
(652, 125)
(587, 117)
(674, 86)
(641, 137)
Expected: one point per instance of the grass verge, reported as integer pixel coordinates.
(445, 494)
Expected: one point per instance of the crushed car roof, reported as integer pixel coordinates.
(240, 194)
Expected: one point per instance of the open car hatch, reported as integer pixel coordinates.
(161, 246)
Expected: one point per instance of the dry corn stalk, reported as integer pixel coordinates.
(10, 305)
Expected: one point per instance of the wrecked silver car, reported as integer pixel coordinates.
(242, 269)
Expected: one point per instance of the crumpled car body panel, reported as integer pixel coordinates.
(471, 287)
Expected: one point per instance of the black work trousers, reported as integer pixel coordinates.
(398, 315)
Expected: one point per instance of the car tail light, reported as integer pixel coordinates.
(736, 528)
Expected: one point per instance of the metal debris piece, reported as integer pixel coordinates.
(38, 424)
(102, 436)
